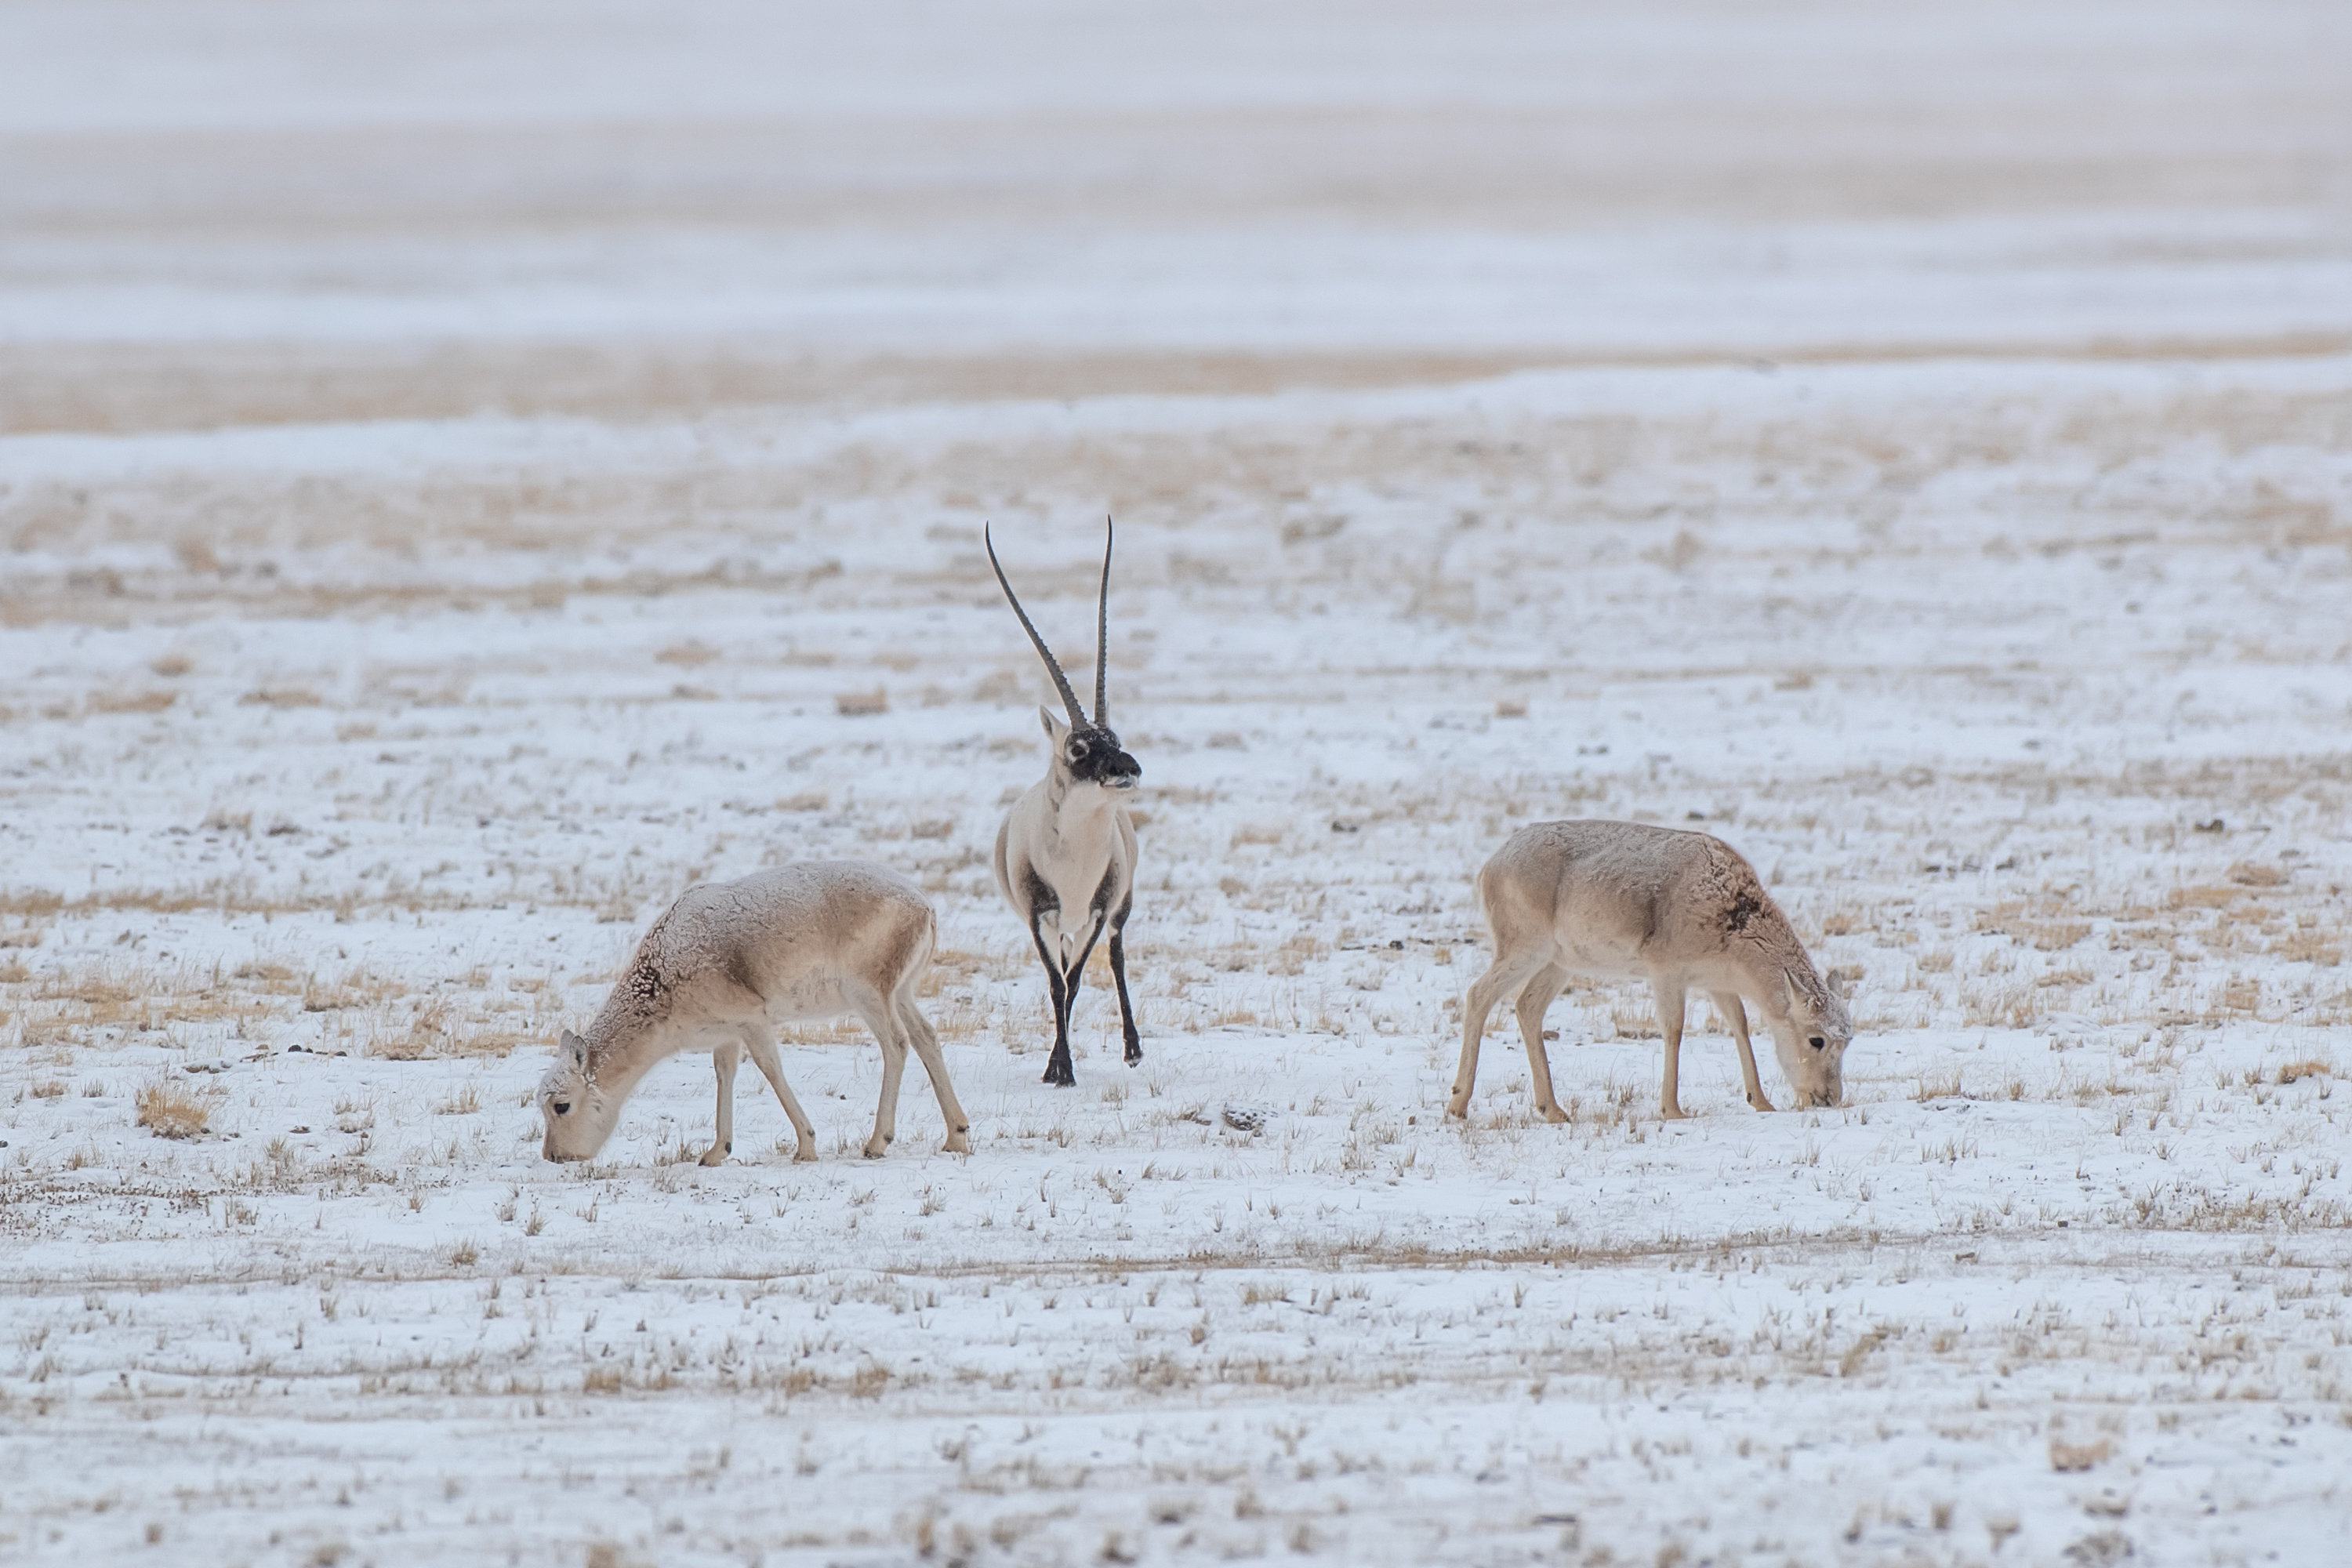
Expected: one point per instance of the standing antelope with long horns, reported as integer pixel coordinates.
(1065, 854)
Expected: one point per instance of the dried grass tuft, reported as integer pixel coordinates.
(131, 701)
(1636, 1023)
(170, 1111)
(2072, 1458)
(282, 697)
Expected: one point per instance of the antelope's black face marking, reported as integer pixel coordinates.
(1093, 756)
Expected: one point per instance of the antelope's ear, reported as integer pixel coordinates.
(1056, 729)
(575, 1047)
(1796, 997)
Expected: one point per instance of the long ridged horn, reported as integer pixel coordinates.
(1102, 637)
(1060, 681)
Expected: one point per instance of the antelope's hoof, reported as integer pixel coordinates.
(957, 1143)
(1459, 1110)
(1060, 1077)
(714, 1156)
(805, 1154)
(1760, 1103)
(875, 1148)
(1672, 1113)
(1554, 1113)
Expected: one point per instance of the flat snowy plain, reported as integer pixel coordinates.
(468, 474)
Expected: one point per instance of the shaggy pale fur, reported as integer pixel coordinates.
(1624, 900)
(727, 963)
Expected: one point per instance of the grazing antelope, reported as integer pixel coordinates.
(1622, 900)
(1065, 854)
(731, 959)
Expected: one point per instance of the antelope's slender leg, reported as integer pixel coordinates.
(723, 1060)
(1067, 1008)
(1735, 1018)
(1670, 1023)
(926, 1042)
(762, 1046)
(1070, 999)
(1503, 978)
(882, 1019)
(1533, 1000)
(1118, 978)
(1057, 1066)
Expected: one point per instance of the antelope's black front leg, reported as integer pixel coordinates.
(1045, 909)
(1064, 990)
(1070, 1001)
(1119, 977)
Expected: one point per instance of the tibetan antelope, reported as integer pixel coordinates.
(1623, 900)
(727, 961)
(1065, 854)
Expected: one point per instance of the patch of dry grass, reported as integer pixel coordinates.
(282, 697)
(1291, 958)
(2054, 936)
(31, 901)
(2311, 947)
(437, 1029)
(2072, 1458)
(953, 969)
(272, 979)
(353, 988)
(1999, 1007)
(170, 1111)
(2046, 923)
(106, 993)
(130, 701)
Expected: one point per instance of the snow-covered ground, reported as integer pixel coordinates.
(466, 475)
